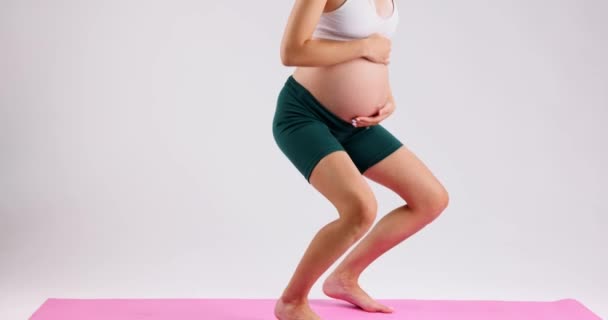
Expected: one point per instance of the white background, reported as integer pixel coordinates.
(137, 159)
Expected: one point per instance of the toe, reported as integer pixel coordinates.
(387, 309)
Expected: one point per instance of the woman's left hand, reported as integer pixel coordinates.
(384, 112)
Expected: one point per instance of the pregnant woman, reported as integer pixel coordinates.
(326, 123)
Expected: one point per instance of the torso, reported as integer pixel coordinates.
(353, 88)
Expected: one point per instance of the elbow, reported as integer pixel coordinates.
(291, 53)
(287, 57)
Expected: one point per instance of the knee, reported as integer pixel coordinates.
(434, 204)
(359, 213)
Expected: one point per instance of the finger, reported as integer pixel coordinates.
(377, 118)
(388, 105)
(379, 115)
(360, 118)
(363, 122)
(382, 113)
(385, 111)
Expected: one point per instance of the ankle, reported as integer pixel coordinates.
(345, 276)
(294, 300)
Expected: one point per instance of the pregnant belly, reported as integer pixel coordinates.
(354, 88)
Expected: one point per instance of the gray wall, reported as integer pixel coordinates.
(137, 158)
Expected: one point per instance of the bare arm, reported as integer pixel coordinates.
(297, 47)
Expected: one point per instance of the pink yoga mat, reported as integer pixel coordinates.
(262, 309)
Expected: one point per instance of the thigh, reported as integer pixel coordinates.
(323, 162)
(368, 145)
(304, 141)
(337, 178)
(404, 173)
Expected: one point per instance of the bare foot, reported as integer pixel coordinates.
(341, 287)
(294, 311)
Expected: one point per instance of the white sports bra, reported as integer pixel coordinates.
(355, 19)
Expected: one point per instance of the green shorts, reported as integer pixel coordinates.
(306, 131)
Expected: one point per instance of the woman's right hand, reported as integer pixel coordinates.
(377, 48)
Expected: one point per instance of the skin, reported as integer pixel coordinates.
(350, 78)
(338, 180)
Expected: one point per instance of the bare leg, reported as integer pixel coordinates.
(337, 178)
(405, 174)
